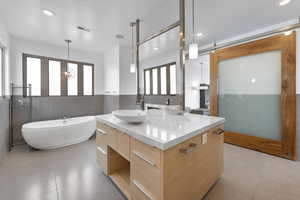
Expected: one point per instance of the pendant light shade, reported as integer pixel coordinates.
(132, 68)
(193, 47)
(132, 63)
(193, 51)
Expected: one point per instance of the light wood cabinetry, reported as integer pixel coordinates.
(142, 172)
(102, 158)
(123, 145)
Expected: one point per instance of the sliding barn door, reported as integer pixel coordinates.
(253, 88)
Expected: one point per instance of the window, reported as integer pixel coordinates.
(147, 82)
(54, 78)
(173, 79)
(57, 77)
(154, 82)
(87, 80)
(33, 73)
(160, 80)
(73, 79)
(163, 80)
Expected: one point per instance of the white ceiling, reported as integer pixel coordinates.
(216, 19)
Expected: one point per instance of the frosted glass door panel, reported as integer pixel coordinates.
(249, 90)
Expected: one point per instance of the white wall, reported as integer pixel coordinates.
(20, 46)
(117, 77)
(111, 71)
(127, 79)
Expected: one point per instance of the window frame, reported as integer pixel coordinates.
(64, 81)
(168, 87)
(2, 68)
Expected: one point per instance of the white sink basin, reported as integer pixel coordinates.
(130, 116)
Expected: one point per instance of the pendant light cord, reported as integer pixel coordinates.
(132, 45)
(193, 12)
(68, 50)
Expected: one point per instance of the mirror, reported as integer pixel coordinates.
(159, 58)
(160, 68)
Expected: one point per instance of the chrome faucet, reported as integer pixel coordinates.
(168, 102)
(65, 119)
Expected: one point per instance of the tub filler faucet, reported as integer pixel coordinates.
(65, 119)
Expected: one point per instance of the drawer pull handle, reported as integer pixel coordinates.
(143, 158)
(101, 150)
(219, 131)
(190, 149)
(102, 132)
(141, 188)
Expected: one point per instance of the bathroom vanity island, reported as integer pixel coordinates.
(168, 157)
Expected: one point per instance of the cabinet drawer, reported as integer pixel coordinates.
(146, 153)
(146, 175)
(111, 134)
(124, 145)
(101, 140)
(146, 169)
(102, 158)
(138, 192)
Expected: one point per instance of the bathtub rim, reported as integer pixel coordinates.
(28, 126)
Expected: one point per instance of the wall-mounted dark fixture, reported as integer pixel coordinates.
(83, 28)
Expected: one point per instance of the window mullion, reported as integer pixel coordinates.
(158, 81)
(145, 82)
(80, 79)
(64, 81)
(151, 82)
(44, 77)
(24, 75)
(93, 79)
(168, 79)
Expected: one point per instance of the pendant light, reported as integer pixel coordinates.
(193, 47)
(132, 64)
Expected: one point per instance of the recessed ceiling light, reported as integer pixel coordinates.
(155, 48)
(199, 34)
(48, 12)
(287, 33)
(283, 2)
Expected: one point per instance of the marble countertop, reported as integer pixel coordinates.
(163, 130)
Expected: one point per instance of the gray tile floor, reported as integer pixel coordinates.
(71, 173)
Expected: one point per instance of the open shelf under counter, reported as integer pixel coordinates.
(119, 171)
(122, 180)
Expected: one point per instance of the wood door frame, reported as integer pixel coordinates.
(285, 148)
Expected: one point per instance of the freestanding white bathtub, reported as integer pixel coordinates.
(58, 133)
